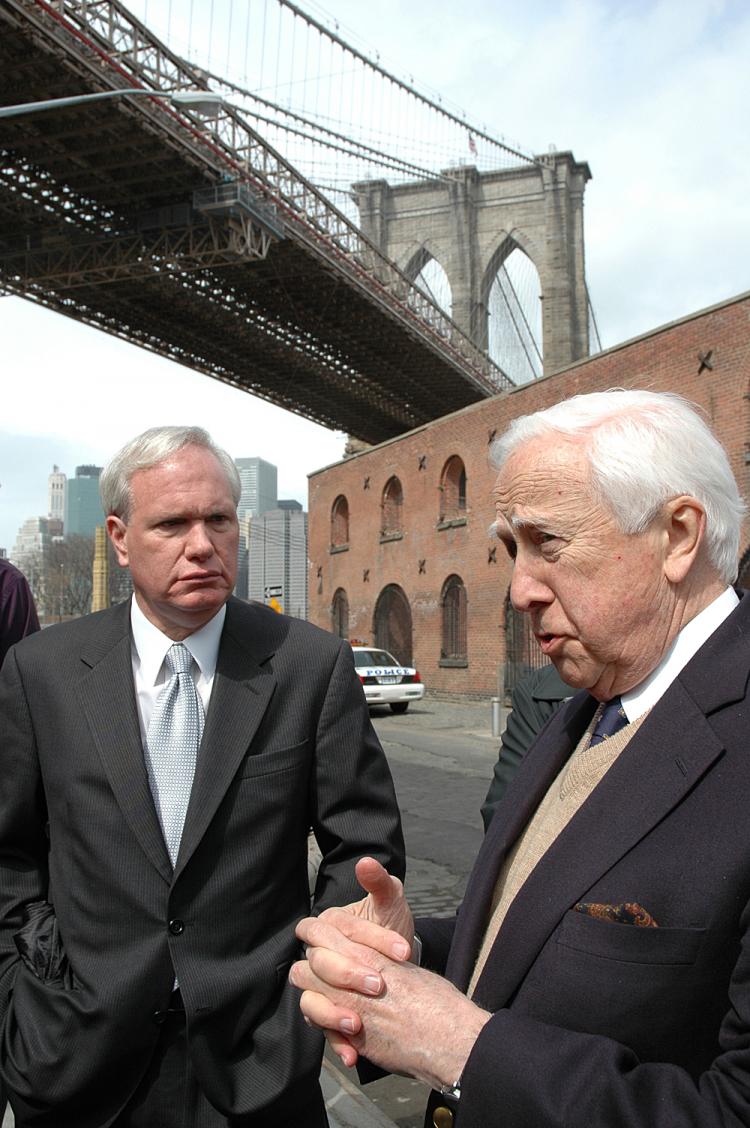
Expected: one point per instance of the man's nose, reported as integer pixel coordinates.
(527, 588)
(199, 543)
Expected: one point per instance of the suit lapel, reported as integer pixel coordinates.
(673, 747)
(108, 701)
(243, 687)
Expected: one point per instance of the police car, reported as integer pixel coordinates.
(384, 681)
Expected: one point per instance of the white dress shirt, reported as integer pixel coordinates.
(149, 648)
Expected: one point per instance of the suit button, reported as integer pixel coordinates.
(176, 927)
(159, 1018)
(442, 1117)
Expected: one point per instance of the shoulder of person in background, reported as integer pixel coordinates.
(18, 617)
(533, 701)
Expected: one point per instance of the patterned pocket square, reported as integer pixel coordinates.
(628, 913)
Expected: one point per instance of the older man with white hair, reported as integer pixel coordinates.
(598, 971)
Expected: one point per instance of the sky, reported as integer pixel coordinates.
(653, 95)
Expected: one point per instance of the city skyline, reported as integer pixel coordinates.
(42, 476)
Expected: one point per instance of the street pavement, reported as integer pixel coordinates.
(441, 753)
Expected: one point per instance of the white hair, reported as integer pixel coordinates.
(150, 449)
(644, 448)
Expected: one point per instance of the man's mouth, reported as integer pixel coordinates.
(546, 640)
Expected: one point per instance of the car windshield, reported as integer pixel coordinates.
(374, 658)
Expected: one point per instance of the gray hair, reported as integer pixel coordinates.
(644, 448)
(150, 449)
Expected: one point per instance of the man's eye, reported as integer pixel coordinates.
(542, 538)
(511, 548)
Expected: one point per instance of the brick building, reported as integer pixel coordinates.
(399, 549)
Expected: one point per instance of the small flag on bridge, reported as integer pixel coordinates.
(472, 145)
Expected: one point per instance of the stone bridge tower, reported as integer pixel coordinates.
(471, 221)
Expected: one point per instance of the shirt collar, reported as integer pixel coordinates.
(688, 642)
(151, 644)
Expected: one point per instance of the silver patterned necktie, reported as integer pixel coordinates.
(172, 742)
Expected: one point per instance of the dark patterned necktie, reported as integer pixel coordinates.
(174, 736)
(611, 721)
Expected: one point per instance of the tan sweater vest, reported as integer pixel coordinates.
(578, 778)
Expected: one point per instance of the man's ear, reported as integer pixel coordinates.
(685, 528)
(117, 532)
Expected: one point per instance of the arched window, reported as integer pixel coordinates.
(453, 603)
(522, 651)
(391, 505)
(340, 614)
(340, 522)
(392, 624)
(453, 490)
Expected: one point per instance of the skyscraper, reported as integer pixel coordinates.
(83, 508)
(259, 486)
(278, 558)
(56, 494)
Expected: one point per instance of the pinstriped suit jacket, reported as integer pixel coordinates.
(287, 745)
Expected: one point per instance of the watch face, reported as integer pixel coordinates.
(452, 1092)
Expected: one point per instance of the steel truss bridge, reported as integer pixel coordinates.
(203, 244)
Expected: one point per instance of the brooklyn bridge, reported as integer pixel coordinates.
(204, 238)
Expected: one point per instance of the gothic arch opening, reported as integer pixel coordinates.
(426, 272)
(392, 624)
(514, 313)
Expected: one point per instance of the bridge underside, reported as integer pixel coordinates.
(98, 220)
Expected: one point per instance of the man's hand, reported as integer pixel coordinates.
(401, 1017)
(380, 923)
(385, 904)
(382, 920)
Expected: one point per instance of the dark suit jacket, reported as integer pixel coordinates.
(287, 745)
(607, 1024)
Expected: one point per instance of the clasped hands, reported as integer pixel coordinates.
(358, 985)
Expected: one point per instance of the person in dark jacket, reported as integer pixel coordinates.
(532, 703)
(18, 617)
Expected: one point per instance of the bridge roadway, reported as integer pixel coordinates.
(204, 244)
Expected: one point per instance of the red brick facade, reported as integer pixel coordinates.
(444, 533)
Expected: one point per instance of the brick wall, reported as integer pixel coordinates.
(428, 551)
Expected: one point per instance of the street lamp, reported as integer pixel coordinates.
(206, 103)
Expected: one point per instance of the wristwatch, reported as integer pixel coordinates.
(452, 1092)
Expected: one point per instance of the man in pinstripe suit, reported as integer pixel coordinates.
(136, 992)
